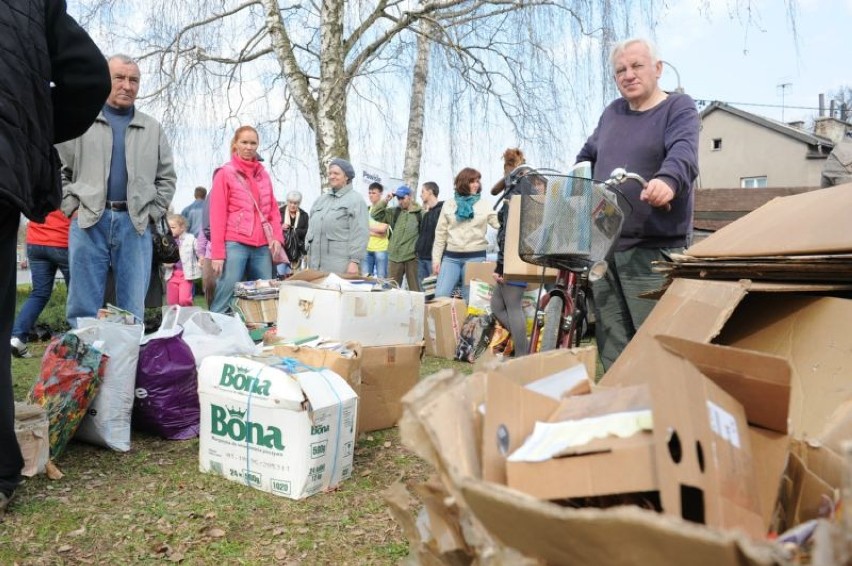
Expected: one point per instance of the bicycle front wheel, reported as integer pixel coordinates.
(552, 323)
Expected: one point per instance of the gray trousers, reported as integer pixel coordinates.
(507, 307)
(619, 310)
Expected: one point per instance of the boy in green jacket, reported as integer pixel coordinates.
(404, 221)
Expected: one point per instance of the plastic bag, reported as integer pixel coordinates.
(107, 422)
(166, 387)
(475, 336)
(71, 372)
(209, 333)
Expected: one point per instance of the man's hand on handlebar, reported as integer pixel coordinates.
(658, 194)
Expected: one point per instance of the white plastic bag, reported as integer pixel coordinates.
(210, 333)
(107, 421)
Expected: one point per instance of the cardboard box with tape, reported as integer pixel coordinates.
(349, 310)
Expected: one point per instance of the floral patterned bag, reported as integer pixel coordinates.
(71, 372)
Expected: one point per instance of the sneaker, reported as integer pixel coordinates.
(19, 349)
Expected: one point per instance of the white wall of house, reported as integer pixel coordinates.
(750, 150)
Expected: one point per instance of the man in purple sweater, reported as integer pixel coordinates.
(655, 134)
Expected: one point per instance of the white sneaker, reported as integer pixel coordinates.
(19, 349)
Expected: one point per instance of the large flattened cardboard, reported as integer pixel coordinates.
(288, 434)
(816, 222)
(373, 318)
(387, 374)
(624, 536)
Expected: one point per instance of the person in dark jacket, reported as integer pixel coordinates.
(429, 196)
(655, 134)
(295, 226)
(53, 82)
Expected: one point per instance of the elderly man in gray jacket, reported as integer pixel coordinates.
(117, 178)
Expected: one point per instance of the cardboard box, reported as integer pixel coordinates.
(32, 432)
(442, 424)
(673, 458)
(263, 311)
(373, 318)
(349, 368)
(514, 268)
(479, 270)
(510, 408)
(387, 373)
(444, 318)
(290, 434)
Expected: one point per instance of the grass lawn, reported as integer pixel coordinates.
(152, 504)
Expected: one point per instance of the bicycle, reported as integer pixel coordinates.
(570, 223)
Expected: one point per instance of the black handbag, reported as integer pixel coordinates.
(166, 249)
(293, 246)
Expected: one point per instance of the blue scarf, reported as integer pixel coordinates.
(464, 206)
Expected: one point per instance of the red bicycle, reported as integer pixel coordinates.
(568, 222)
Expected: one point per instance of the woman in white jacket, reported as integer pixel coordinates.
(460, 233)
(180, 275)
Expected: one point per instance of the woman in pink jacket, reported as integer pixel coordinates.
(241, 193)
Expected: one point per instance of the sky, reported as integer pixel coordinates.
(718, 55)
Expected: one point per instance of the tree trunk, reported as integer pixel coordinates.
(332, 138)
(417, 108)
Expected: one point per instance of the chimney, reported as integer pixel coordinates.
(821, 105)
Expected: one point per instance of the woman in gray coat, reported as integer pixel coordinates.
(338, 230)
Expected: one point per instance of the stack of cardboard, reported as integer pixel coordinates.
(388, 323)
(799, 238)
(700, 463)
(775, 353)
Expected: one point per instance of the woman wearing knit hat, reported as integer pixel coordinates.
(339, 230)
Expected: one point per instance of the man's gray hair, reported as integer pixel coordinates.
(126, 59)
(622, 45)
(294, 196)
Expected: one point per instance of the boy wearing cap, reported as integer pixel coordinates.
(404, 222)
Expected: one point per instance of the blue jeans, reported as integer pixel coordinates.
(451, 276)
(114, 242)
(242, 263)
(376, 263)
(424, 270)
(44, 261)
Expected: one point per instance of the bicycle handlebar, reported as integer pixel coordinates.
(620, 175)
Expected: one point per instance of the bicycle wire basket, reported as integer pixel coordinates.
(567, 222)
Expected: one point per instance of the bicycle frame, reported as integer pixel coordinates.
(570, 288)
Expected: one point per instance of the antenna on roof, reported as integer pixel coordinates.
(783, 87)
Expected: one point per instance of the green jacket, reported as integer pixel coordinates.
(405, 228)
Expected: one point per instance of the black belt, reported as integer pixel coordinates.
(119, 205)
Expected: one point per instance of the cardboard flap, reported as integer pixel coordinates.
(838, 428)
(511, 412)
(821, 220)
(810, 332)
(623, 536)
(691, 309)
(760, 382)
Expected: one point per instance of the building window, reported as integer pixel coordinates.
(753, 182)
(717, 144)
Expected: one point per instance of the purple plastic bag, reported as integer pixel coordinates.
(166, 400)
